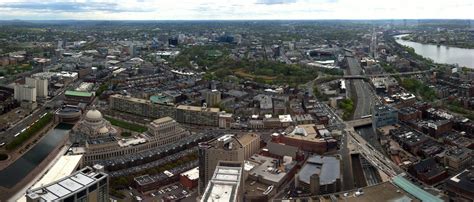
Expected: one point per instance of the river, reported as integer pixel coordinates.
(443, 54)
(15, 172)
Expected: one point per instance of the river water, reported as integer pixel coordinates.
(442, 54)
(15, 172)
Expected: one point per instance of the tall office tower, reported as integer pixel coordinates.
(87, 184)
(226, 183)
(40, 84)
(60, 44)
(41, 87)
(213, 98)
(30, 82)
(225, 148)
(25, 93)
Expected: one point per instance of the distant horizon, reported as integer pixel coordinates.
(199, 10)
(341, 19)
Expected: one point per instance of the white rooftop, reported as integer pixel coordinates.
(82, 179)
(221, 193)
(58, 190)
(62, 168)
(65, 186)
(131, 142)
(285, 118)
(224, 184)
(73, 186)
(192, 174)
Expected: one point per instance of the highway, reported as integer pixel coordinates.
(8, 135)
(347, 175)
(365, 96)
(373, 156)
(385, 75)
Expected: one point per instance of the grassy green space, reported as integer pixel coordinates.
(101, 89)
(419, 88)
(220, 67)
(456, 107)
(127, 125)
(318, 94)
(347, 105)
(15, 69)
(28, 133)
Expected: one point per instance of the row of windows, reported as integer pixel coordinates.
(109, 151)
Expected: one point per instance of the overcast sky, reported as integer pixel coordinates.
(234, 9)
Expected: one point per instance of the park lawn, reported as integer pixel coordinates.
(126, 125)
(243, 73)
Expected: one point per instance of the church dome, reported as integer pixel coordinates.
(93, 115)
(103, 131)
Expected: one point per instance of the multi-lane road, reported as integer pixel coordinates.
(373, 156)
(365, 96)
(9, 134)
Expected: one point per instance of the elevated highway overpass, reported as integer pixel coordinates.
(367, 76)
(359, 122)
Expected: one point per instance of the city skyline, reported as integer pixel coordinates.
(227, 10)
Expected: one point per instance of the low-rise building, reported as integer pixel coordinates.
(461, 186)
(457, 159)
(320, 175)
(306, 138)
(384, 115)
(100, 140)
(190, 178)
(76, 97)
(266, 175)
(409, 114)
(428, 171)
(181, 113)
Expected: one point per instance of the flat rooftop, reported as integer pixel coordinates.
(267, 168)
(462, 181)
(163, 120)
(385, 191)
(327, 167)
(67, 185)
(192, 174)
(305, 132)
(131, 141)
(62, 168)
(78, 93)
(224, 185)
(196, 108)
(129, 98)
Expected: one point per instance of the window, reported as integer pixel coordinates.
(69, 199)
(92, 188)
(81, 194)
(103, 181)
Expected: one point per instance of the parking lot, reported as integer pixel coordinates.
(173, 192)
